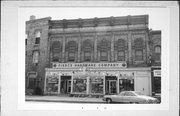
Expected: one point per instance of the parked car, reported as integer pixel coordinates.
(130, 97)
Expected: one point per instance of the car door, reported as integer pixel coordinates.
(126, 97)
(119, 97)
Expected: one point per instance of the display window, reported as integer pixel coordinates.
(79, 85)
(126, 84)
(96, 85)
(52, 84)
(157, 84)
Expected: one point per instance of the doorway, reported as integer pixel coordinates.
(65, 84)
(112, 86)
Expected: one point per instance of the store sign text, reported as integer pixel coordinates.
(91, 65)
(157, 73)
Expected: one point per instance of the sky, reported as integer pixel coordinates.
(158, 17)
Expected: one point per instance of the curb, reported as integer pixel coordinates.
(64, 101)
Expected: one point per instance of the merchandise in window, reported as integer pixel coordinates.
(52, 83)
(96, 85)
(79, 85)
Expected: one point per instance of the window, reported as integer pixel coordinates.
(157, 53)
(120, 48)
(96, 85)
(79, 85)
(103, 48)
(56, 50)
(121, 56)
(35, 56)
(25, 41)
(71, 49)
(104, 56)
(138, 44)
(71, 56)
(37, 39)
(87, 48)
(87, 56)
(138, 55)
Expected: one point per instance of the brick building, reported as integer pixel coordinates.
(92, 56)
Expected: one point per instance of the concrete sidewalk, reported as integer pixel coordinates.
(64, 99)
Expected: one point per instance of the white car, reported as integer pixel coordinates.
(130, 97)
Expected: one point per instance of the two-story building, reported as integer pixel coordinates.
(94, 56)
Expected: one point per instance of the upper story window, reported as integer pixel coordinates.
(56, 50)
(87, 48)
(71, 49)
(35, 56)
(38, 36)
(138, 44)
(104, 46)
(120, 48)
(157, 53)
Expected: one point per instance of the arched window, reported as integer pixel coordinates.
(87, 48)
(120, 48)
(38, 36)
(56, 49)
(104, 47)
(157, 51)
(138, 44)
(71, 49)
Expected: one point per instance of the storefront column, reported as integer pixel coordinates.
(59, 85)
(45, 85)
(72, 83)
(118, 84)
(104, 87)
(87, 85)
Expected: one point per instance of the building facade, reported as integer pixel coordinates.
(95, 56)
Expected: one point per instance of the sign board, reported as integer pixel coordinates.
(90, 65)
(157, 73)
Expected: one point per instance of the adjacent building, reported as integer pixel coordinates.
(94, 56)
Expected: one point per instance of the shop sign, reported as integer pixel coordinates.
(157, 73)
(91, 65)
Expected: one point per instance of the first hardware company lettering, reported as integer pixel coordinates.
(95, 65)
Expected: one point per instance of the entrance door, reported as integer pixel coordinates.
(68, 86)
(112, 86)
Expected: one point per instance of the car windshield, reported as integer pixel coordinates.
(138, 93)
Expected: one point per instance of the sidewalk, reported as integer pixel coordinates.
(64, 99)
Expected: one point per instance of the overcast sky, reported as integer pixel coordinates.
(158, 17)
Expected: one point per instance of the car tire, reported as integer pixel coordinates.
(108, 100)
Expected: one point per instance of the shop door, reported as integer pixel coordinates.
(142, 85)
(112, 86)
(68, 86)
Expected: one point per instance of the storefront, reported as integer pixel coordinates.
(156, 80)
(95, 79)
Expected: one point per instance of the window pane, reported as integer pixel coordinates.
(104, 56)
(96, 85)
(79, 85)
(38, 34)
(37, 40)
(157, 49)
(121, 56)
(87, 56)
(138, 55)
(71, 56)
(35, 56)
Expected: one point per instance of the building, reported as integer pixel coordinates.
(95, 56)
